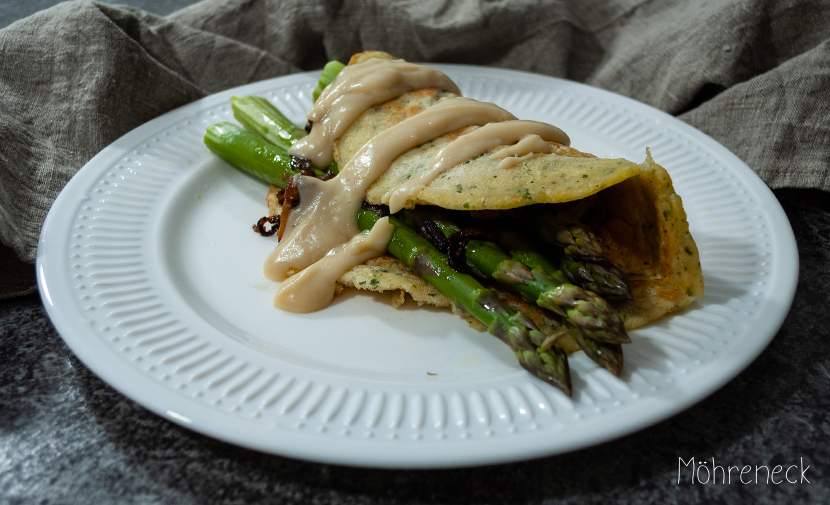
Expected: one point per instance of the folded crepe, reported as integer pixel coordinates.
(632, 208)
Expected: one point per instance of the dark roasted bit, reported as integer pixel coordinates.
(274, 221)
(291, 198)
(380, 210)
(430, 231)
(458, 242)
(300, 164)
(291, 195)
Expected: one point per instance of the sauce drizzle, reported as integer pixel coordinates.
(477, 142)
(356, 89)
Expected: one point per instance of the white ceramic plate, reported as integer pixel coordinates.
(150, 271)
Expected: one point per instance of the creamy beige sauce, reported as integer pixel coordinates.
(327, 214)
(530, 145)
(313, 288)
(532, 137)
(356, 89)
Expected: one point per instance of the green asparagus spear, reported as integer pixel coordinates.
(250, 153)
(609, 356)
(330, 71)
(259, 116)
(586, 311)
(601, 277)
(575, 240)
(530, 346)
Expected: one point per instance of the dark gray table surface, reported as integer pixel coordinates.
(67, 437)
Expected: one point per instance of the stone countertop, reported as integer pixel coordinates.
(67, 437)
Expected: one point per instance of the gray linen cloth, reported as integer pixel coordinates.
(755, 75)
